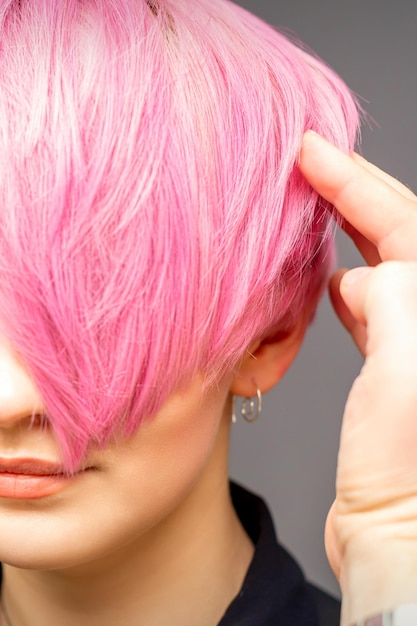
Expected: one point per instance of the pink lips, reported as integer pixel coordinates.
(25, 478)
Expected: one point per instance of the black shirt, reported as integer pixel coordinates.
(274, 592)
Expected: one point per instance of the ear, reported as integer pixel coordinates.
(267, 360)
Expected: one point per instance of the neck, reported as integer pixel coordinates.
(185, 571)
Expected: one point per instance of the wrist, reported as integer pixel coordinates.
(377, 574)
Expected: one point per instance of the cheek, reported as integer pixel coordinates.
(168, 455)
(142, 486)
(151, 476)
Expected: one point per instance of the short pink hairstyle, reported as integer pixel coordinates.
(153, 219)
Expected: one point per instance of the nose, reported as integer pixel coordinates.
(19, 398)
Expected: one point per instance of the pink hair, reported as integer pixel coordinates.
(153, 221)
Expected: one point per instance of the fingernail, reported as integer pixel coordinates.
(352, 276)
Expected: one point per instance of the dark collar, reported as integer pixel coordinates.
(274, 592)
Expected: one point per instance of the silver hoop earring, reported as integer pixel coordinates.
(250, 409)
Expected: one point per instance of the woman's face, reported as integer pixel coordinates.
(124, 491)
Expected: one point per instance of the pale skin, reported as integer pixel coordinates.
(371, 532)
(150, 537)
(123, 540)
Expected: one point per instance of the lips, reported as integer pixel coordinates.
(27, 478)
(38, 467)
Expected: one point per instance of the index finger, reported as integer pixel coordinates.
(383, 212)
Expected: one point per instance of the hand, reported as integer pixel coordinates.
(377, 211)
(371, 532)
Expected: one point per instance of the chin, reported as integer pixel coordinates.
(40, 557)
(45, 546)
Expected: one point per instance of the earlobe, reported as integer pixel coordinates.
(267, 360)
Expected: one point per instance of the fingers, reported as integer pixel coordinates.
(384, 301)
(393, 182)
(354, 290)
(356, 329)
(378, 307)
(382, 210)
(367, 249)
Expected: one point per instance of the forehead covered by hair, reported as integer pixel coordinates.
(153, 218)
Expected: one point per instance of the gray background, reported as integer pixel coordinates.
(289, 455)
